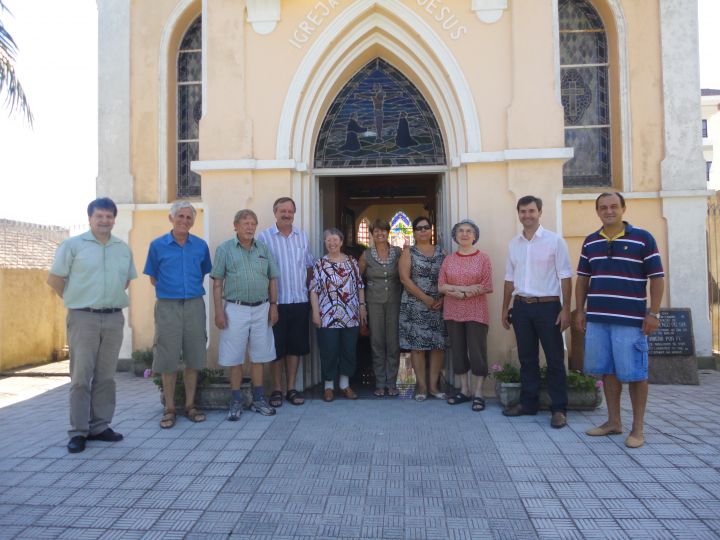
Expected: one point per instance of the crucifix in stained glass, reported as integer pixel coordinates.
(379, 119)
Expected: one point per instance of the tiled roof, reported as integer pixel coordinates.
(28, 245)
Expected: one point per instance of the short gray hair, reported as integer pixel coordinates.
(466, 221)
(332, 231)
(178, 205)
(244, 214)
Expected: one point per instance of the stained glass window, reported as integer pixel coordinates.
(379, 119)
(401, 230)
(189, 109)
(363, 235)
(585, 99)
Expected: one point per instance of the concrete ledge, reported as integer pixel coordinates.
(673, 370)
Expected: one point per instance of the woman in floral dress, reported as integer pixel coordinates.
(421, 323)
(337, 296)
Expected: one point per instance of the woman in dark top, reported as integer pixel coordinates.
(379, 264)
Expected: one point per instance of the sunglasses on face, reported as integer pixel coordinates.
(423, 228)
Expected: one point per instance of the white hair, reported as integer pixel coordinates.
(178, 205)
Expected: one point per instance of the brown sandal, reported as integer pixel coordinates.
(195, 415)
(168, 419)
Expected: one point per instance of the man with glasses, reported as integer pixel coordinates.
(615, 265)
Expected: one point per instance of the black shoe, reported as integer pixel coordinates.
(76, 444)
(517, 410)
(106, 436)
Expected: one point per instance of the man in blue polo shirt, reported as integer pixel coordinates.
(615, 265)
(177, 263)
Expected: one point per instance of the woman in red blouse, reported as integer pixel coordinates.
(466, 280)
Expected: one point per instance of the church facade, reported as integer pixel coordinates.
(361, 109)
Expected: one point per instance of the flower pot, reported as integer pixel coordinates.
(578, 400)
(508, 393)
(216, 395)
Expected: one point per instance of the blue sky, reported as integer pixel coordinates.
(48, 173)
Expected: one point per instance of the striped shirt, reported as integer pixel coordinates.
(618, 270)
(246, 272)
(293, 257)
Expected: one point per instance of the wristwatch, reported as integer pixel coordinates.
(653, 314)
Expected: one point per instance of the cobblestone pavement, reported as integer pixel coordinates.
(364, 469)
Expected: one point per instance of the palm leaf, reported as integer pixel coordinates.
(10, 87)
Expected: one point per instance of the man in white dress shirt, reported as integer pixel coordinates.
(537, 273)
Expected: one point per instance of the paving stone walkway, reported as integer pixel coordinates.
(365, 469)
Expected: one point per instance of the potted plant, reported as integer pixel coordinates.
(142, 361)
(584, 391)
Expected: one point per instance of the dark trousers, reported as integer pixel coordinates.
(337, 351)
(533, 323)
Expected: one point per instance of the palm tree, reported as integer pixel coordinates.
(10, 87)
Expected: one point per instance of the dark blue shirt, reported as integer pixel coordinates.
(618, 272)
(178, 270)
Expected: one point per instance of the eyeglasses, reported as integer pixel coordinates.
(423, 228)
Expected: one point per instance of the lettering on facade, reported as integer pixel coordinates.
(312, 22)
(442, 15)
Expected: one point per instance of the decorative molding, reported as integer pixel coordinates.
(164, 130)
(361, 27)
(219, 165)
(489, 11)
(263, 15)
(370, 171)
(683, 194)
(518, 154)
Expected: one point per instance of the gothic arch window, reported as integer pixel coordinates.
(401, 230)
(189, 109)
(379, 119)
(363, 234)
(585, 97)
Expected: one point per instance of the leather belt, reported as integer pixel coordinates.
(537, 299)
(104, 310)
(247, 304)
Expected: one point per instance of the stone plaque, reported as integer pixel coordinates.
(674, 336)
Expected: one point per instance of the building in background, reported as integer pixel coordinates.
(364, 109)
(710, 103)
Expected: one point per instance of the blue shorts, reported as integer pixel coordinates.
(614, 349)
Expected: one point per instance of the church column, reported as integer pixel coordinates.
(684, 193)
(534, 97)
(114, 178)
(225, 132)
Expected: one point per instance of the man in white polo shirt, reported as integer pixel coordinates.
(537, 272)
(290, 248)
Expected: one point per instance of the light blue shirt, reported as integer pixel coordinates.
(96, 274)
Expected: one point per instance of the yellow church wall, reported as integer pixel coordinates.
(645, 86)
(32, 318)
(147, 24)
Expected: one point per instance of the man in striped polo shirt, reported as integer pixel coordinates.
(290, 247)
(615, 265)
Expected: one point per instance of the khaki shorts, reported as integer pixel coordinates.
(180, 335)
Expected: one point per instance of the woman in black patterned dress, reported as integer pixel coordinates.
(421, 321)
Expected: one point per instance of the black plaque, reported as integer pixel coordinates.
(674, 336)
